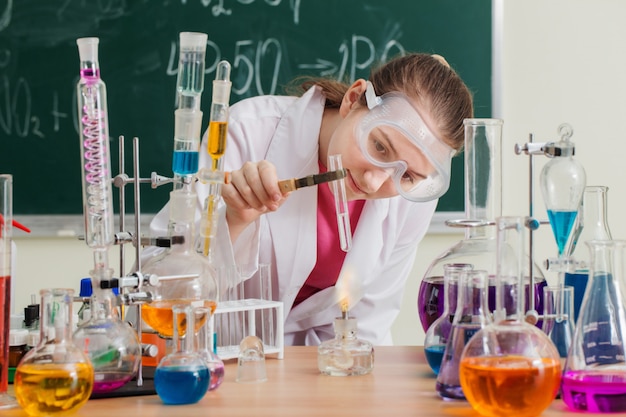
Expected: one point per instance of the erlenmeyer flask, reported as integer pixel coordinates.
(111, 344)
(185, 277)
(205, 337)
(472, 314)
(591, 224)
(438, 333)
(483, 204)
(55, 377)
(595, 372)
(182, 377)
(510, 367)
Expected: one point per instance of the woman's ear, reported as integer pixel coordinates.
(352, 96)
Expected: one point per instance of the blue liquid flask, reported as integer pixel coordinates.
(471, 315)
(182, 377)
(438, 332)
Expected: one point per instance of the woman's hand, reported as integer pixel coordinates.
(252, 191)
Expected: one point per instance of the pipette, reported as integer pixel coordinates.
(216, 146)
(341, 204)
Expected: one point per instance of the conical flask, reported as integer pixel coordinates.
(185, 277)
(595, 372)
(56, 377)
(483, 204)
(438, 333)
(510, 367)
(591, 224)
(471, 315)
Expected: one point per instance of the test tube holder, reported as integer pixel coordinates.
(249, 307)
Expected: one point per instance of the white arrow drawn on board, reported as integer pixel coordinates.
(326, 67)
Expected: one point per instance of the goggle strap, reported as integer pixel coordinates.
(370, 96)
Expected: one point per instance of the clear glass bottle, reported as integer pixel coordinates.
(594, 379)
(510, 367)
(471, 315)
(591, 224)
(111, 344)
(437, 334)
(483, 204)
(185, 276)
(56, 377)
(345, 355)
(182, 377)
(205, 337)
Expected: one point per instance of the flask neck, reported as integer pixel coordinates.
(90, 71)
(56, 316)
(594, 213)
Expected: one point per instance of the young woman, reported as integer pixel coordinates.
(396, 134)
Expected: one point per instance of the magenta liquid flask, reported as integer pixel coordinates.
(206, 346)
(594, 379)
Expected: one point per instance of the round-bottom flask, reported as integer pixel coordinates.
(345, 355)
(111, 344)
(55, 377)
(182, 377)
(437, 334)
(510, 367)
(205, 349)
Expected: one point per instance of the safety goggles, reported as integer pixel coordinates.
(394, 137)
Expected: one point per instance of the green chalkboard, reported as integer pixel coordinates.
(267, 42)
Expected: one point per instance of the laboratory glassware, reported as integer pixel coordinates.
(562, 182)
(191, 279)
(206, 347)
(251, 361)
(483, 204)
(471, 314)
(6, 234)
(594, 379)
(591, 224)
(436, 337)
(112, 345)
(558, 319)
(182, 377)
(510, 367)
(56, 377)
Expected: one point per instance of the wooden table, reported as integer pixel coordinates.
(401, 384)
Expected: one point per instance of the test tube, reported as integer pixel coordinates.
(338, 188)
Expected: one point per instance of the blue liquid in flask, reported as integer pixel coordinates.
(434, 356)
(561, 222)
(185, 162)
(181, 384)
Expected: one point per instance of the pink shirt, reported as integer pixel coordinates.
(329, 254)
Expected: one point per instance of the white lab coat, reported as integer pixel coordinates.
(285, 131)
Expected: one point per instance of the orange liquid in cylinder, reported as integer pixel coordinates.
(510, 385)
(159, 316)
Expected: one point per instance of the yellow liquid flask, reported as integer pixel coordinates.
(185, 276)
(510, 367)
(55, 377)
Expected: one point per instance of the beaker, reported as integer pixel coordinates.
(182, 377)
(595, 372)
(111, 344)
(437, 334)
(510, 367)
(591, 224)
(55, 377)
(206, 345)
(471, 314)
(483, 204)
(186, 277)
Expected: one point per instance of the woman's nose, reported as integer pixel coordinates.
(376, 177)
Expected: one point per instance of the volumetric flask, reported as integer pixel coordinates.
(55, 377)
(595, 372)
(470, 316)
(510, 367)
(182, 377)
(438, 333)
(206, 346)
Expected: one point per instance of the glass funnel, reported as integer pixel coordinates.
(56, 377)
(483, 204)
(185, 277)
(595, 372)
(182, 377)
(111, 344)
(510, 367)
